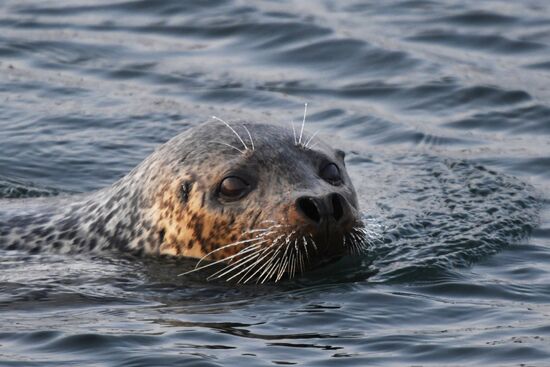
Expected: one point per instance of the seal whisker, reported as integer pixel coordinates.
(224, 247)
(298, 254)
(261, 252)
(283, 265)
(288, 264)
(266, 251)
(302, 265)
(217, 262)
(357, 247)
(240, 262)
(312, 242)
(261, 230)
(311, 138)
(352, 245)
(243, 251)
(348, 244)
(294, 132)
(293, 256)
(226, 144)
(268, 220)
(261, 235)
(276, 268)
(229, 269)
(271, 265)
(254, 230)
(247, 269)
(281, 269)
(233, 130)
(303, 124)
(235, 266)
(305, 248)
(359, 237)
(268, 265)
(268, 269)
(250, 136)
(292, 264)
(285, 244)
(253, 274)
(296, 265)
(263, 277)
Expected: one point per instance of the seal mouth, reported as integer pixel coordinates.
(322, 262)
(279, 252)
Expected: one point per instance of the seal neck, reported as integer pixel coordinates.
(118, 217)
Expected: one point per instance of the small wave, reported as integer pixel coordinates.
(480, 18)
(443, 214)
(531, 119)
(14, 189)
(478, 42)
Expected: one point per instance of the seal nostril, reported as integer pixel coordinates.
(337, 206)
(308, 207)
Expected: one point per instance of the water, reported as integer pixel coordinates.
(441, 106)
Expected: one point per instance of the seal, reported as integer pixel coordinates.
(263, 200)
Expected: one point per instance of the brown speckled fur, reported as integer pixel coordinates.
(169, 204)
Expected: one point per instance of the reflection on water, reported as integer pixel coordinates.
(441, 106)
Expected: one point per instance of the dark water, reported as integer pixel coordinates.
(443, 108)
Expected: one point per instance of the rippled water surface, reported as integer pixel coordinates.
(443, 109)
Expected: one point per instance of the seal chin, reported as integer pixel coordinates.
(327, 252)
(329, 245)
(324, 262)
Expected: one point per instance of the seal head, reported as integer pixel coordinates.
(257, 199)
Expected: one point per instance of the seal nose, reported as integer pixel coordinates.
(321, 209)
(310, 207)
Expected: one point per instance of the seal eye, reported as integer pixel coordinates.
(233, 187)
(331, 174)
